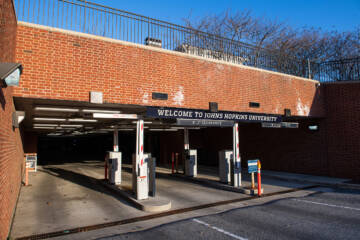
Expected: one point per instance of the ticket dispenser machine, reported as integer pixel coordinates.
(114, 165)
(225, 161)
(140, 177)
(191, 163)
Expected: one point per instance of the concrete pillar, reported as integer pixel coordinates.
(236, 166)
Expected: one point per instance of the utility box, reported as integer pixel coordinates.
(114, 167)
(225, 160)
(191, 163)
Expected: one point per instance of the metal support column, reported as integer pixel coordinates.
(186, 147)
(142, 188)
(116, 140)
(186, 139)
(236, 172)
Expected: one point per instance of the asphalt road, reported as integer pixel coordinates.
(325, 214)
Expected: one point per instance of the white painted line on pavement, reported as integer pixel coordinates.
(326, 204)
(219, 230)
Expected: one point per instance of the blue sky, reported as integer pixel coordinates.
(341, 15)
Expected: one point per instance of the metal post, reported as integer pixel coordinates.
(186, 148)
(252, 181)
(186, 139)
(106, 168)
(172, 163)
(236, 157)
(259, 178)
(177, 162)
(116, 140)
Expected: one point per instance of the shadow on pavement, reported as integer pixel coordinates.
(82, 180)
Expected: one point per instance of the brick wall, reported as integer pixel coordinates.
(343, 128)
(60, 64)
(11, 154)
(292, 150)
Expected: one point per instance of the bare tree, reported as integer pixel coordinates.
(275, 45)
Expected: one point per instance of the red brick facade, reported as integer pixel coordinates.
(343, 129)
(11, 153)
(65, 65)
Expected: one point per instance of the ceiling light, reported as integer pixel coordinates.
(146, 122)
(67, 128)
(50, 119)
(10, 74)
(114, 115)
(163, 129)
(56, 109)
(44, 125)
(82, 120)
(100, 111)
(54, 134)
(70, 125)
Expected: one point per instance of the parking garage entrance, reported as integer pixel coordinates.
(79, 132)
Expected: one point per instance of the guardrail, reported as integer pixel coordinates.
(339, 70)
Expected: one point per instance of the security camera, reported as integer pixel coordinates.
(10, 74)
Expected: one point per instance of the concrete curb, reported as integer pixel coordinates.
(333, 185)
(148, 205)
(216, 185)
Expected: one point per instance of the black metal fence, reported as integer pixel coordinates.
(87, 17)
(339, 70)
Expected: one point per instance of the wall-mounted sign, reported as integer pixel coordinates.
(270, 125)
(31, 161)
(290, 125)
(252, 166)
(204, 123)
(183, 113)
(280, 125)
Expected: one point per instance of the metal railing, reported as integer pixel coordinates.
(92, 18)
(338, 70)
